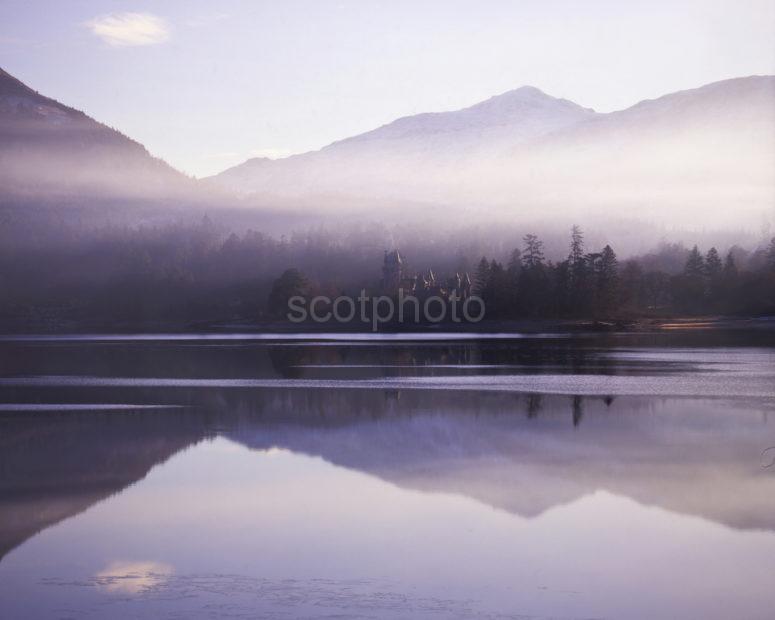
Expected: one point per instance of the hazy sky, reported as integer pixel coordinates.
(207, 84)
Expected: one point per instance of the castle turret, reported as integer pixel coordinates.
(465, 286)
(392, 271)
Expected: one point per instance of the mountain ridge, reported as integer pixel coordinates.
(403, 120)
(525, 152)
(47, 146)
(519, 154)
(598, 115)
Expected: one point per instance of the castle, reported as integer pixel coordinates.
(421, 285)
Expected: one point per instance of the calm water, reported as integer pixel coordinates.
(329, 477)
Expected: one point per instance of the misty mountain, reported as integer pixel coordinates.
(493, 126)
(489, 128)
(696, 158)
(47, 147)
(524, 154)
(530, 466)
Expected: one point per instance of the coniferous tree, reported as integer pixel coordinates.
(513, 273)
(730, 267)
(695, 266)
(576, 255)
(515, 261)
(713, 263)
(729, 277)
(482, 276)
(713, 271)
(690, 288)
(533, 255)
(607, 282)
(533, 283)
(578, 266)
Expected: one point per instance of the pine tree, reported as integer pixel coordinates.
(695, 266)
(482, 276)
(728, 283)
(579, 295)
(576, 255)
(513, 273)
(730, 267)
(608, 281)
(533, 256)
(533, 280)
(713, 270)
(515, 262)
(691, 289)
(713, 263)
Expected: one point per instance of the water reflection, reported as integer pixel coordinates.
(543, 449)
(277, 533)
(57, 464)
(132, 577)
(387, 499)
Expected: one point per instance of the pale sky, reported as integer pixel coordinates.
(206, 85)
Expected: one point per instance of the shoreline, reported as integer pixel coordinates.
(524, 326)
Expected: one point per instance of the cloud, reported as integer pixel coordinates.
(127, 29)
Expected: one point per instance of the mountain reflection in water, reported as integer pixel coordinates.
(159, 462)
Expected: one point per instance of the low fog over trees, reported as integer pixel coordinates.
(597, 285)
(187, 273)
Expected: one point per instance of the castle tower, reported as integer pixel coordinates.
(465, 286)
(392, 271)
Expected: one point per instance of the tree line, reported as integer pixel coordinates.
(596, 285)
(202, 271)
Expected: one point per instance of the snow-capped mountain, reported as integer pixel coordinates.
(525, 153)
(487, 129)
(698, 157)
(504, 120)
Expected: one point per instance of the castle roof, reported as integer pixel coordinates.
(393, 257)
